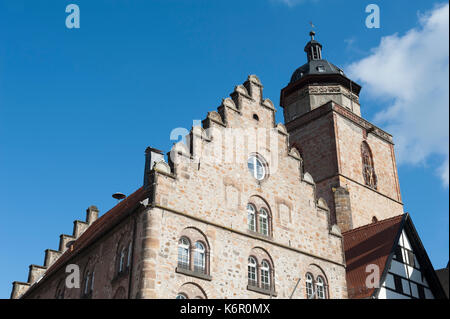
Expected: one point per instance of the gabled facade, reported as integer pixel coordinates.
(251, 208)
(390, 250)
(232, 214)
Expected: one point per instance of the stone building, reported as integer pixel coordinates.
(246, 207)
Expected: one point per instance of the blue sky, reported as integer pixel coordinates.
(79, 106)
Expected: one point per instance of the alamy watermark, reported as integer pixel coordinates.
(373, 19)
(230, 146)
(73, 276)
(73, 19)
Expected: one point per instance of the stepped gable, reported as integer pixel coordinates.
(96, 230)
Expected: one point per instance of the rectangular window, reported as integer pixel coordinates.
(265, 284)
(398, 284)
(398, 254)
(309, 290)
(421, 291)
(263, 224)
(199, 262)
(320, 291)
(251, 221)
(183, 257)
(410, 258)
(252, 276)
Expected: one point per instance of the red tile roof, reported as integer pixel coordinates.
(96, 230)
(369, 244)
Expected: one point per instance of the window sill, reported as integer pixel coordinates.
(266, 292)
(193, 274)
(256, 234)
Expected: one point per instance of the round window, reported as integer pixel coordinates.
(256, 167)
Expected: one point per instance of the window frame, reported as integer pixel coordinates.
(251, 210)
(252, 263)
(320, 288)
(187, 248)
(410, 256)
(309, 286)
(398, 254)
(368, 166)
(199, 251)
(122, 260)
(129, 256)
(421, 291)
(263, 215)
(398, 284)
(265, 275)
(256, 159)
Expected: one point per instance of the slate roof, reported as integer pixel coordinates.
(312, 67)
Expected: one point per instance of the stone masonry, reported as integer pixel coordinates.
(193, 194)
(245, 208)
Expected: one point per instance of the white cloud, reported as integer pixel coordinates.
(412, 71)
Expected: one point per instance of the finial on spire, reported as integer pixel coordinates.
(312, 33)
(313, 48)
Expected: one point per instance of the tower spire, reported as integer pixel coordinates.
(313, 48)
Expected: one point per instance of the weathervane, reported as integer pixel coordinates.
(312, 33)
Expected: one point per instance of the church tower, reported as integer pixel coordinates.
(351, 160)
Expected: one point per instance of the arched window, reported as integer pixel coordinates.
(370, 178)
(122, 260)
(92, 280)
(258, 216)
(261, 272)
(129, 255)
(88, 285)
(309, 286)
(193, 254)
(263, 222)
(199, 258)
(320, 288)
(60, 290)
(252, 276)
(251, 217)
(183, 253)
(265, 275)
(191, 290)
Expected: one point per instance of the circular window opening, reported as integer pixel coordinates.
(255, 117)
(256, 167)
